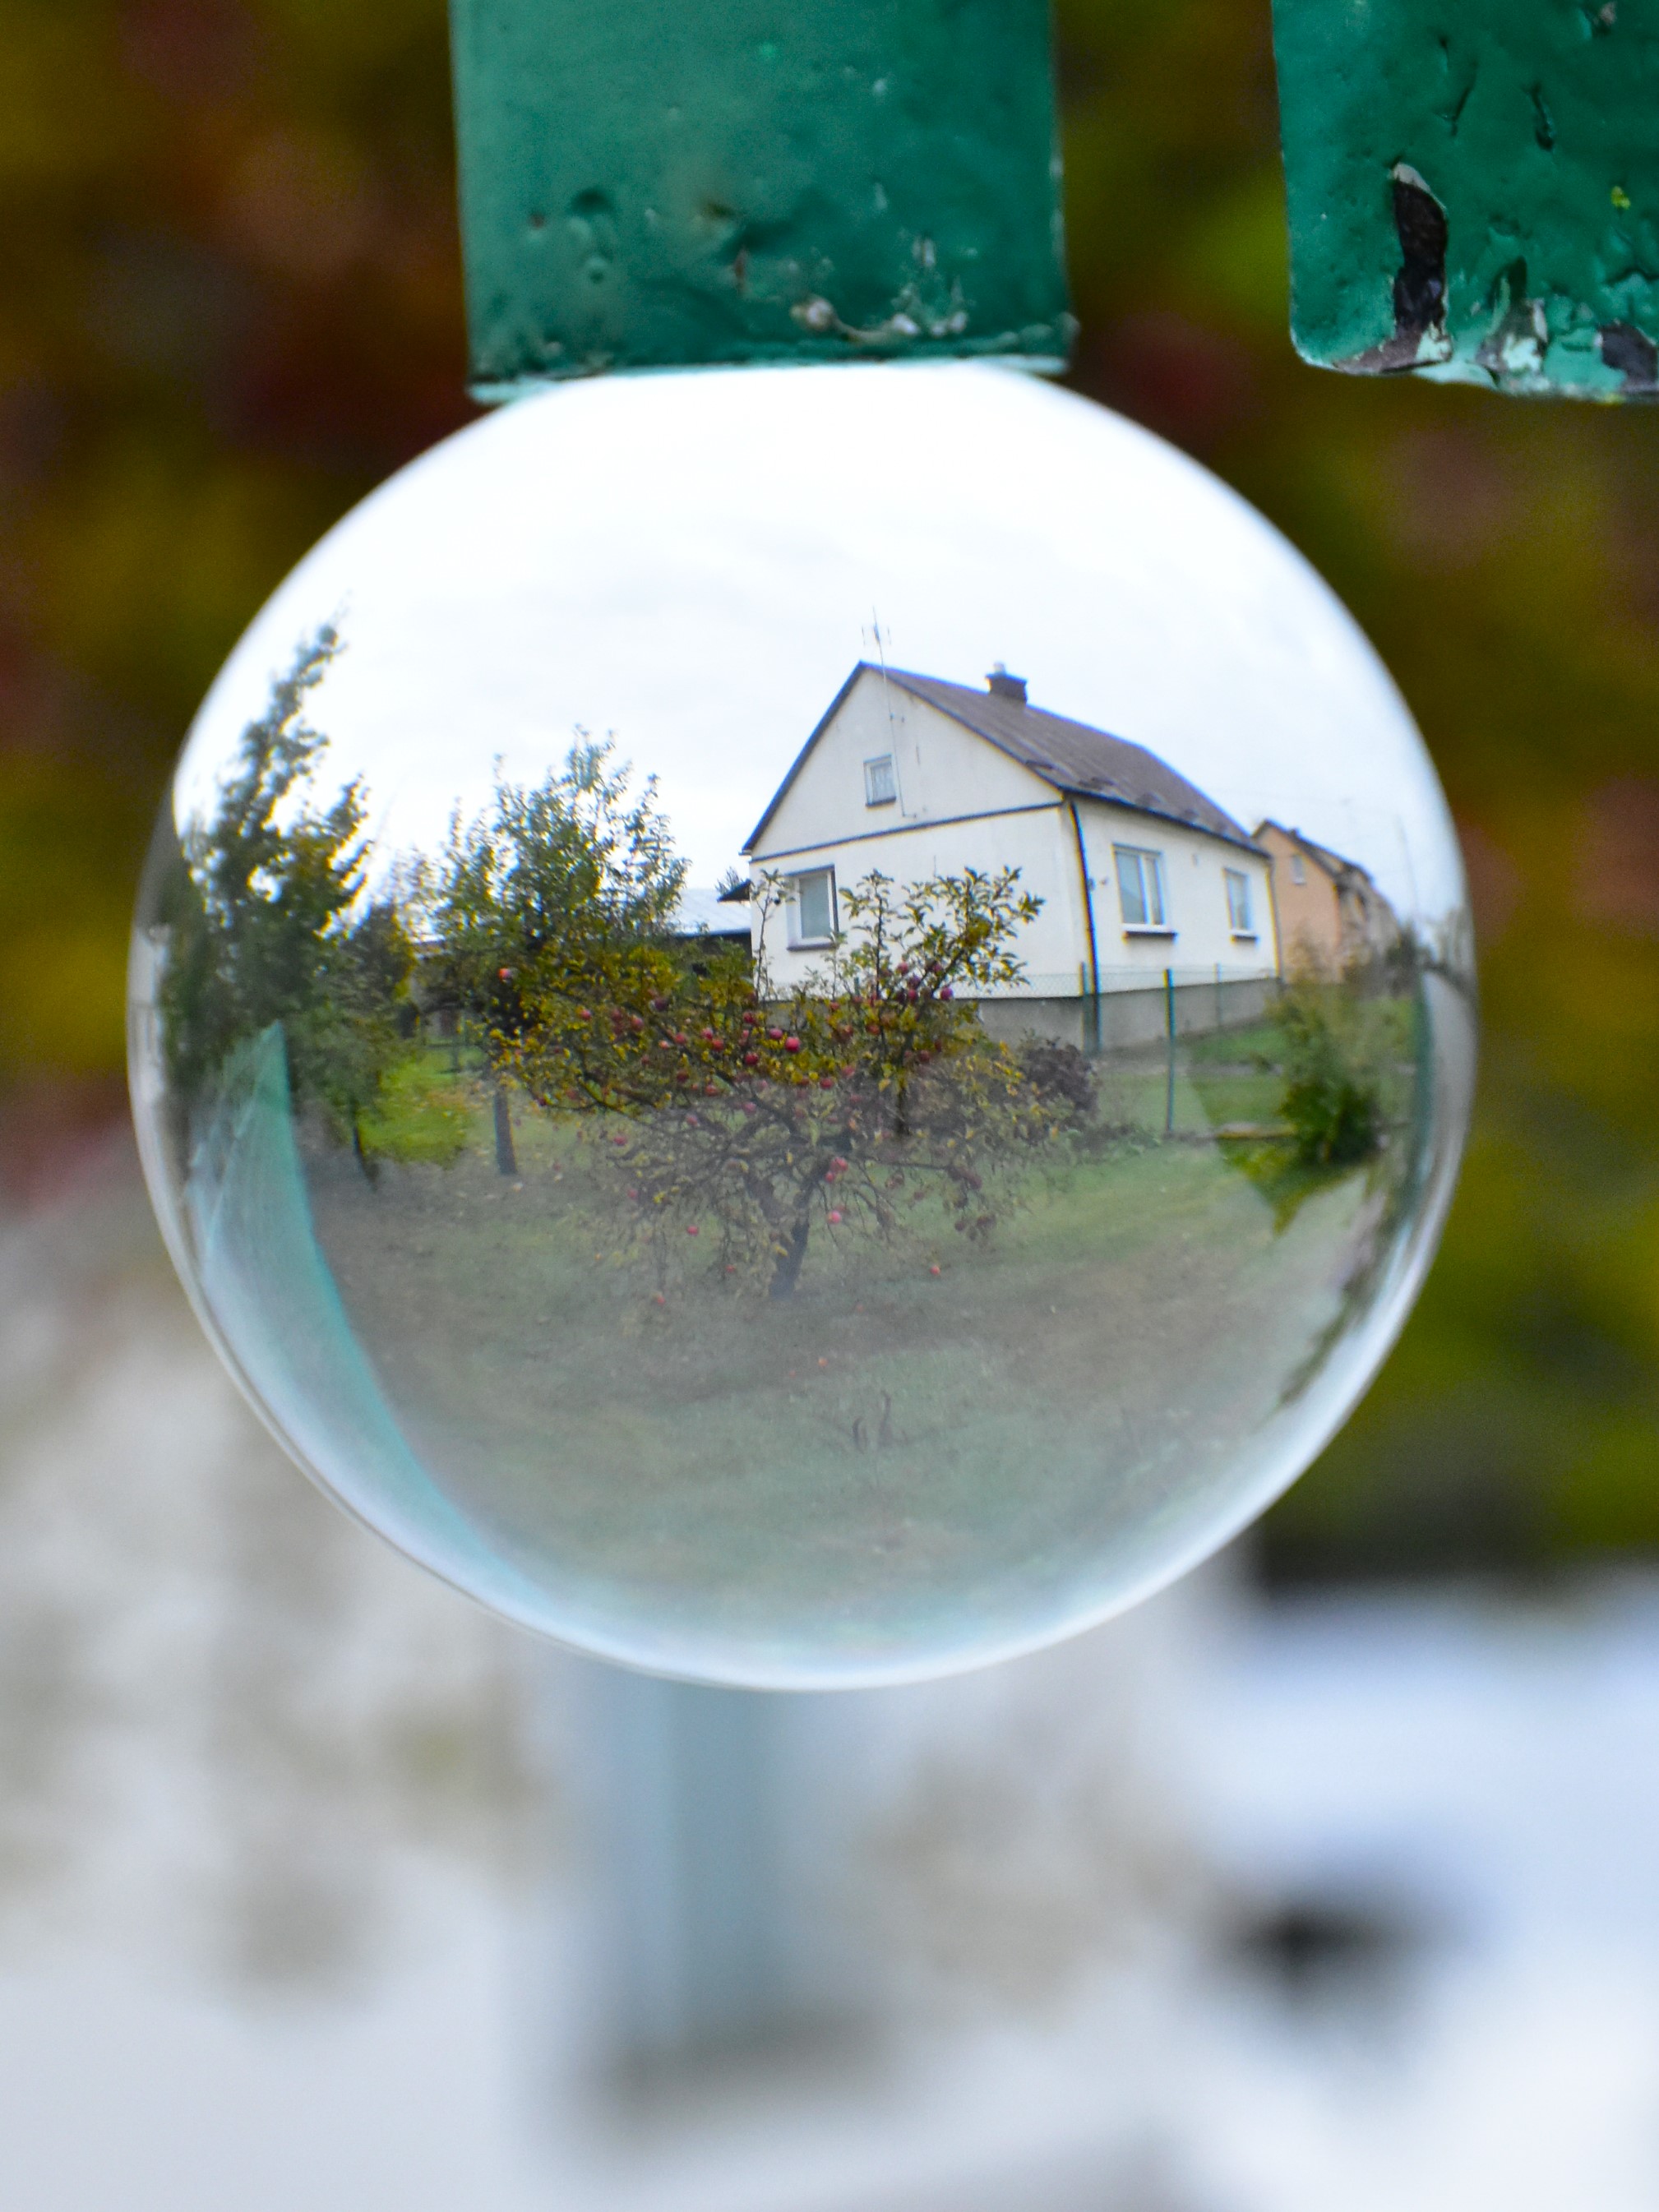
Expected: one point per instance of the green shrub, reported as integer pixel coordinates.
(1332, 1096)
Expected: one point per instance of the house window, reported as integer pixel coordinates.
(880, 788)
(1238, 902)
(1140, 887)
(815, 907)
(1299, 869)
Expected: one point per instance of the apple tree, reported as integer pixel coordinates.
(740, 1122)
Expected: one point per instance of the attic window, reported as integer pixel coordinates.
(880, 786)
(1298, 870)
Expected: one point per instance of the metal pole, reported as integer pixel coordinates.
(1169, 1039)
(1091, 1003)
(700, 1959)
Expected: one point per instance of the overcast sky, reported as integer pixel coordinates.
(695, 563)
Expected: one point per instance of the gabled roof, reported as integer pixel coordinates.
(1080, 762)
(1333, 863)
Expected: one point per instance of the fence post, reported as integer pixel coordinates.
(1169, 1036)
(507, 1159)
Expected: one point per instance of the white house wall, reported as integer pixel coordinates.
(943, 772)
(962, 803)
(1199, 940)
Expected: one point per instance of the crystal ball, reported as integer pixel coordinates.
(805, 1027)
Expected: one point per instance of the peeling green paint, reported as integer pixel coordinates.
(1532, 127)
(670, 183)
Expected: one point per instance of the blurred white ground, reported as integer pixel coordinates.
(318, 1889)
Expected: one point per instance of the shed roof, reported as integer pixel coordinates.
(703, 913)
(1075, 759)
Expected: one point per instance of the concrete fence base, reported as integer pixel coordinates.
(1116, 1021)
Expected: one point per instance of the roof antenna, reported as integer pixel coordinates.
(881, 645)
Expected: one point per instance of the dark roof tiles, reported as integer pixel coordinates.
(1073, 757)
(1080, 761)
(1333, 863)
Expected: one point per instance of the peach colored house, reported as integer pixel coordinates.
(1330, 912)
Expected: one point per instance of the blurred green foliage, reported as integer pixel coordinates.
(230, 302)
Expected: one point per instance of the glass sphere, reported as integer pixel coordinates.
(807, 1027)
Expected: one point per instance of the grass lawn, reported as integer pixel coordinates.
(891, 1453)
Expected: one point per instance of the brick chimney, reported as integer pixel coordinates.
(1001, 685)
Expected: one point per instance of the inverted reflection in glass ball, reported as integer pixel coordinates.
(745, 1141)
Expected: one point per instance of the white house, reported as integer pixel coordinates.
(1156, 903)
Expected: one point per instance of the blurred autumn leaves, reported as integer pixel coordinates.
(230, 302)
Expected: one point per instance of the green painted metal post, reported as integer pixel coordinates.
(1473, 190)
(1169, 1052)
(676, 183)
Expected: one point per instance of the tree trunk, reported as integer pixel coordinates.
(787, 1271)
(506, 1158)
